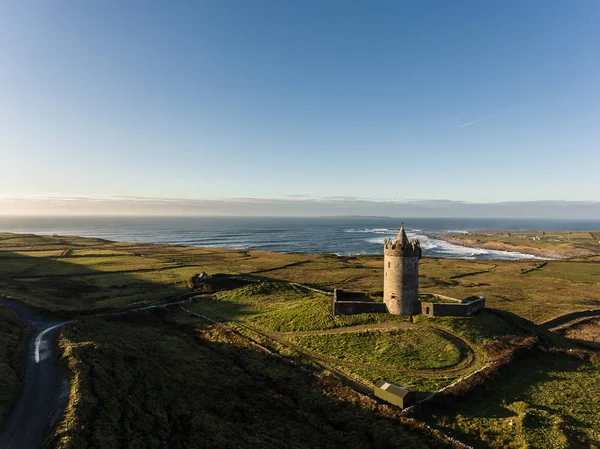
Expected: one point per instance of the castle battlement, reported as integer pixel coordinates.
(410, 248)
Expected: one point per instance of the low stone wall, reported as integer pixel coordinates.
(424, 296)
(452, 309)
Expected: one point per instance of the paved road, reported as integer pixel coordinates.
(43, 392)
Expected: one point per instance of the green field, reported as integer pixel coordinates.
(76, 275)
(279, 307)
(544, 402)
(407, 348)
(152, 379)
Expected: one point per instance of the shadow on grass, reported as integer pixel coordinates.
(166, 380)
(283, 267)
(517, 394)
(62, 288)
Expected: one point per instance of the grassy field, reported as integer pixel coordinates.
(425, 355)
(548, 402)
(407, 348)
(72, 275)
(280, 307)
(13, 344)
(587, 331)
(158, 380)
(167, 380)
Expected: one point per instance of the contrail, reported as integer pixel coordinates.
(477, 121)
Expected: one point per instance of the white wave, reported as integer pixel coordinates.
(373, 231)
(376, 240)
(440, 248)
(229, 246)
(456, 231)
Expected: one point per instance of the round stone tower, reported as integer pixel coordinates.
(401, 275)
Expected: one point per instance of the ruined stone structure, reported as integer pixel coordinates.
(351, 303)
(439, 305)
(401, 275)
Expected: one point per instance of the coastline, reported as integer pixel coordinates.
(347, 236)
(471, 240)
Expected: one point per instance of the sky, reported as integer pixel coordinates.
(404, 102)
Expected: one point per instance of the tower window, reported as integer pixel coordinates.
(394, 297)
(389, 264)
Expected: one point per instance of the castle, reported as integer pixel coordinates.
(401, 275)
(401, 288)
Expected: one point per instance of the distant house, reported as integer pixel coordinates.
(394, 394)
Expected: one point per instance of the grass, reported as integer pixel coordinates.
(165, 381)
(585, 331)
(544, 402)
(100, 274)
(477, 329)
(414, 349)
(280, 307)
(148, 381)
(13, 345)
(283, 312)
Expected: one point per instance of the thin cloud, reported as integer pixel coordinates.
(478, 120)
(308, 207)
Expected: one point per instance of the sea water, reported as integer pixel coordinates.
(340, 235)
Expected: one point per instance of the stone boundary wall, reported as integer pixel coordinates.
(423, 296)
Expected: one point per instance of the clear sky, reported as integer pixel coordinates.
(475, 101)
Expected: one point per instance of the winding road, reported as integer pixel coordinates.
(43, 390)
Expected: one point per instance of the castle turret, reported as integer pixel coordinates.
(401, 275)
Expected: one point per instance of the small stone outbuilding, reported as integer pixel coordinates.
(394, 394)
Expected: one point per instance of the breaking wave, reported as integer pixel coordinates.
(440, 248)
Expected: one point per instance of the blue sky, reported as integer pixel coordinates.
(274, 99)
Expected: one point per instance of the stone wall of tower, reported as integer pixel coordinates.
(401, 280)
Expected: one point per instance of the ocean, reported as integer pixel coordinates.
(340, 235)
